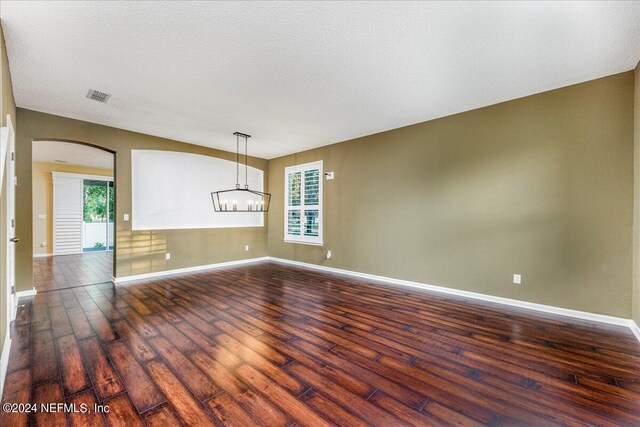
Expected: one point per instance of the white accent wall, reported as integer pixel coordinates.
(172, 190)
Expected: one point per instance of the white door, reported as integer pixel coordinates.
(67, 214)
(8, 146)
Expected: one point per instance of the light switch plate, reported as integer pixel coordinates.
(517, 279)
(126, 217)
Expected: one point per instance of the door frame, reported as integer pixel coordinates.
(9, 141)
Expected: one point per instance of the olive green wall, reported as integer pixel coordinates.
(636, 210)
(137, 252)
(7, 106)
(540, 186)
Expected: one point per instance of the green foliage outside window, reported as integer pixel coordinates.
(95, 203)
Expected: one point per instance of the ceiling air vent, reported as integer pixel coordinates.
(98, 96)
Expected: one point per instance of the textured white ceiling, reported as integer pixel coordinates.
(298, 75)
(72, 154)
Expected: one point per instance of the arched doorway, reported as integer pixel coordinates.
(73, 191)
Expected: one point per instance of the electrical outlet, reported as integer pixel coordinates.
(329, 255)
(126, 217)
(517, 279)
(246, 248)
(167, 255)
(328, 175)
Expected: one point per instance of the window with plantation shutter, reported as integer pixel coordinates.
(303, 203)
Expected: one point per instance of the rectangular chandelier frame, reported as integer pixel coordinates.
(223, 201)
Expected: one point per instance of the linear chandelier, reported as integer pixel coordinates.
(241, 199)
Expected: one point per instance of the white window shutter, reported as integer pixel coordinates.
(67, 215)
(303, 203)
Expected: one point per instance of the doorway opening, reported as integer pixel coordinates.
(73, 215)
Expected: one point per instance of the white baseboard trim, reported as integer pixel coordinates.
(188, 269)
(4, 360)
(31, 292)
(635, 329)
(584, 315)
(42, 255)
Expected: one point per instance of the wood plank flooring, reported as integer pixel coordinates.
(68, 271)
(273, 345)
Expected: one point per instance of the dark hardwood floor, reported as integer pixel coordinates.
(273, 345)
(68, 271)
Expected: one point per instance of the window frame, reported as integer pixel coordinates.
(302, 239)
